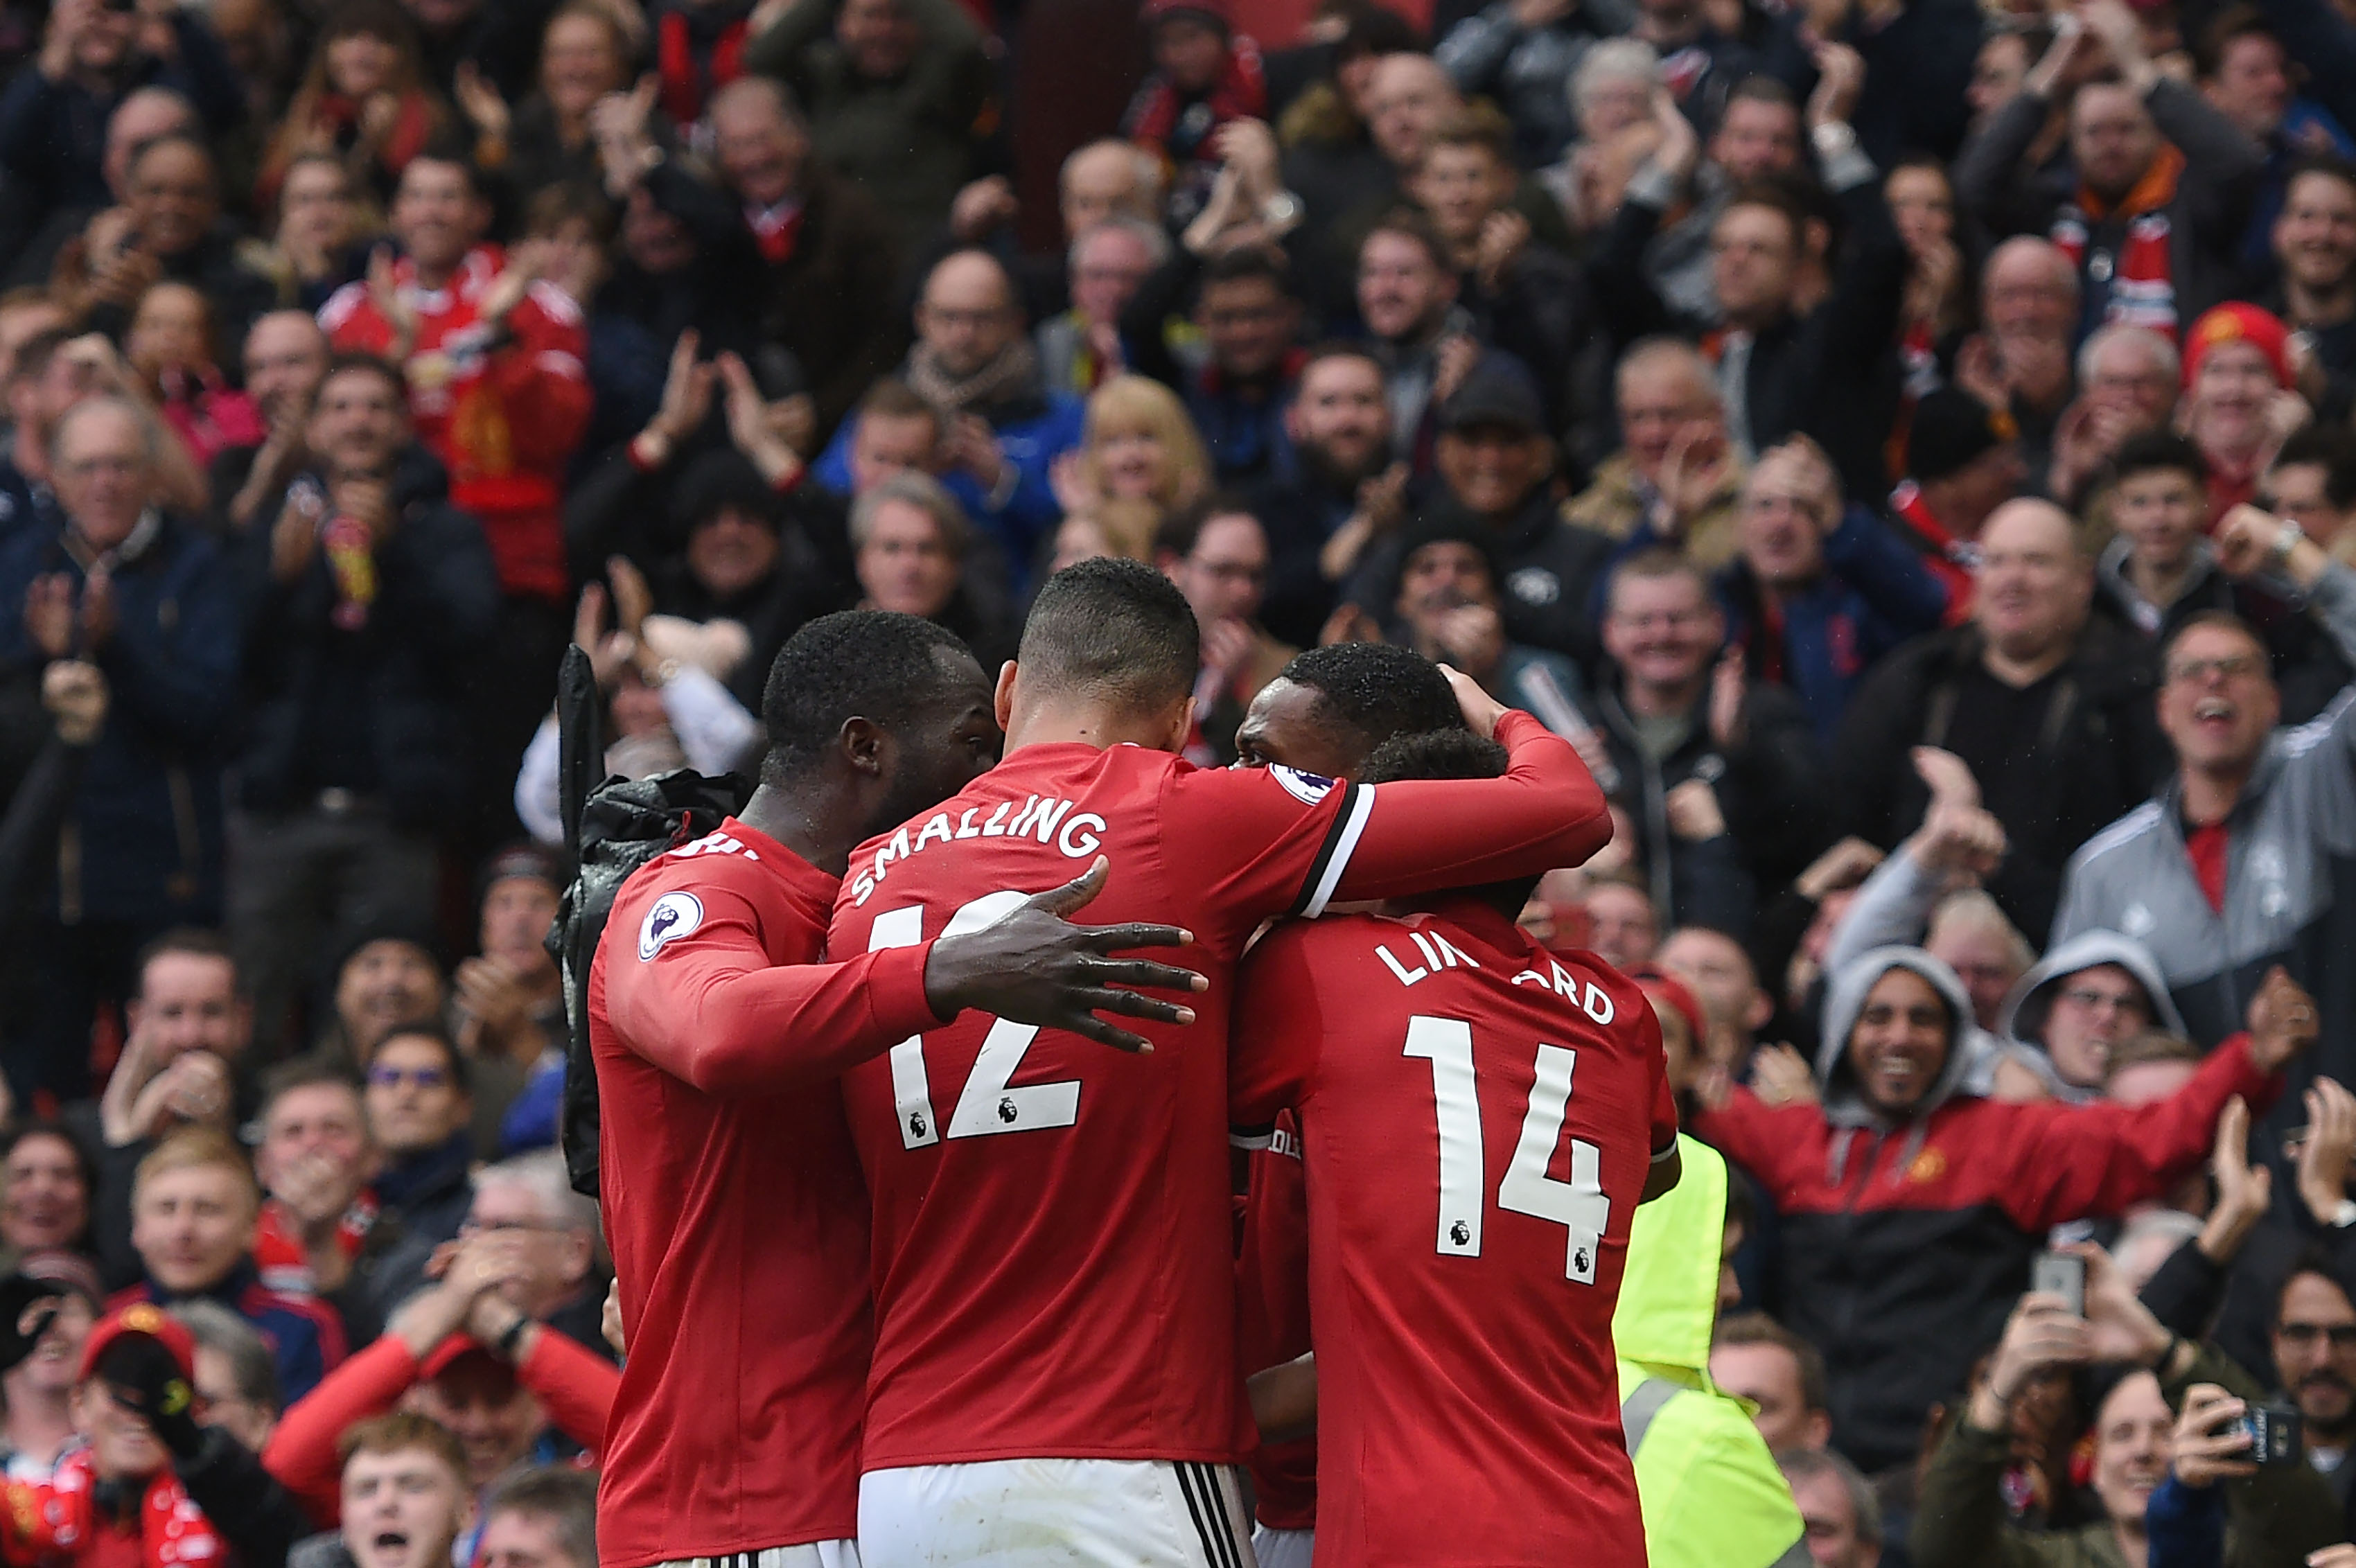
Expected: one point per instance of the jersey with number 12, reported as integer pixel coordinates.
(1052, 1267)
(1478, 1115)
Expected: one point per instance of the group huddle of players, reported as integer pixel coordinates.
(901, 1267)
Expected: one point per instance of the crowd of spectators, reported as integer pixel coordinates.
(1907, 446)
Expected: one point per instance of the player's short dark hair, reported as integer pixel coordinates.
(1454, 752)
(1758, 1328)
(2150, 450)
(1372, 692)
(877, 664)
(1115, 629)
(2333, 450)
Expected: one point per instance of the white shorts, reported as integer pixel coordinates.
(817, 1554)
(1283, 1548)
(1054, 1513)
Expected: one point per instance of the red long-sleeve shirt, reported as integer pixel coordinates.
(575, 1385)
(733, 1199)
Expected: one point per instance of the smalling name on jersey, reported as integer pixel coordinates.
(1044, 818)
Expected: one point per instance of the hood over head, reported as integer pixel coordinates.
(2025, 1010)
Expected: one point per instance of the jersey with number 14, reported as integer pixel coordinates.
(1053, 1265)
(1478, 1116)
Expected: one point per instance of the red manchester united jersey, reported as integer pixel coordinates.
(1054, 1251)
(1478, 1117)
(733, 1199)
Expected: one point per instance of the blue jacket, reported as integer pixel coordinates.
(145, 830)
(1875, 594)
(305, 1334)
(2187, 1526)
(1032, 434)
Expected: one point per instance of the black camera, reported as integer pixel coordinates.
(2276, 1434)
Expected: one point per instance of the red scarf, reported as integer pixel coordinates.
(1240, 93)
(58, 1519)
(1950, 560)
(684, 84)
(278, 1252)
(2143, 273)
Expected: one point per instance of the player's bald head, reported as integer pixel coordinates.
(896, 671)
(1111, 630)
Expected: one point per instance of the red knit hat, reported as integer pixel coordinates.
(146, 1318)
(2237, 322)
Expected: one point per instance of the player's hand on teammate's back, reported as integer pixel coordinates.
(1035, 967)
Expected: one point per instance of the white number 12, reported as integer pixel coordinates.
(1577, 1205)
(987, 1105)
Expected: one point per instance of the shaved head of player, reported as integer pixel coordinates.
(1332, 706)
(1035, 1202)
(732, 1195)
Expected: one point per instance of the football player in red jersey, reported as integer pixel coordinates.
(1323, 713)
(1479, 1118)
(1055, 1373)
(732, 1196)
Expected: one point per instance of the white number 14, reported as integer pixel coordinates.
(1577, 1205)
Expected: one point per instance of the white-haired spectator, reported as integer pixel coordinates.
(235, 1376)
(546, 1234)
(2127, 382)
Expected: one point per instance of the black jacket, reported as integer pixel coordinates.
(409, 664)
(1768, 787)
(2097, 753)
(1826, 374)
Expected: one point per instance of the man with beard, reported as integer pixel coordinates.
(2315, 1362)
(1337, 492)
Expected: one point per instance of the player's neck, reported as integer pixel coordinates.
(1089, 724)
(814, 821)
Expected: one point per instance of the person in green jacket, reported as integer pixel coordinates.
(1712, 1495)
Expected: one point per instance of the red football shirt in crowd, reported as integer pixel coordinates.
(1053, 1266)
(733, 1200)
(1478, 1116)
(502, 410)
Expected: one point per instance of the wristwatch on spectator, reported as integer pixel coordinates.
(2343, 1216)
(1834, 139)
(2287, 540)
